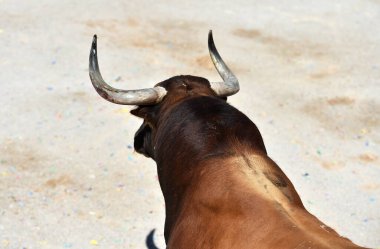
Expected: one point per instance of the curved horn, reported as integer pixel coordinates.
(230, 84)
(147, 96)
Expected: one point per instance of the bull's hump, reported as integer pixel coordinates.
(271, 184)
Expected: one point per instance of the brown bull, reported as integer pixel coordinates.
(221, 189)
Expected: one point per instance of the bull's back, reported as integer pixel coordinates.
(244, 202)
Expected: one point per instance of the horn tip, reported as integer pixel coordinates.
(211, 44)
(94, 42)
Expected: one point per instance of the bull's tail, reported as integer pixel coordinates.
(149, 240)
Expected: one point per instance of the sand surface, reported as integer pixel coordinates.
(69, 178)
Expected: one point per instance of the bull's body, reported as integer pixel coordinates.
(221, 189)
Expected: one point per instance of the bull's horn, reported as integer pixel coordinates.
(147, 96)
(230, 84)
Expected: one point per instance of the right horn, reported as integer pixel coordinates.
(230, 84)
(148, 96)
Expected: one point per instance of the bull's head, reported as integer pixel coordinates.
(155, 103)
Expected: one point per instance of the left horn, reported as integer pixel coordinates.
(230, 84)
(148, 96)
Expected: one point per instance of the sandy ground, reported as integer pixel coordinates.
(69, 178)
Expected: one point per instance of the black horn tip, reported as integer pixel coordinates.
(210, 38)
(93, 47)
(211, 44)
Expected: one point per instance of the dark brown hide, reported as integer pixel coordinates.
(221, 189)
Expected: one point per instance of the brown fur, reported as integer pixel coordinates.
(220, 187)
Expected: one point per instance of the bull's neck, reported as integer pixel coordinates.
(193, 133)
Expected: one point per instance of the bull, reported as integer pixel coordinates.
(221, 188)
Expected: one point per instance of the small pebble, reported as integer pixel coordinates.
(43, 242)
(364, 131)
(94, 242)
(68, 245)
(5, 242)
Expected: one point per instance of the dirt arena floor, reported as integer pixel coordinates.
(309, 73)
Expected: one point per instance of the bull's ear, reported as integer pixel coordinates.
(138, 112)
(148, 113)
